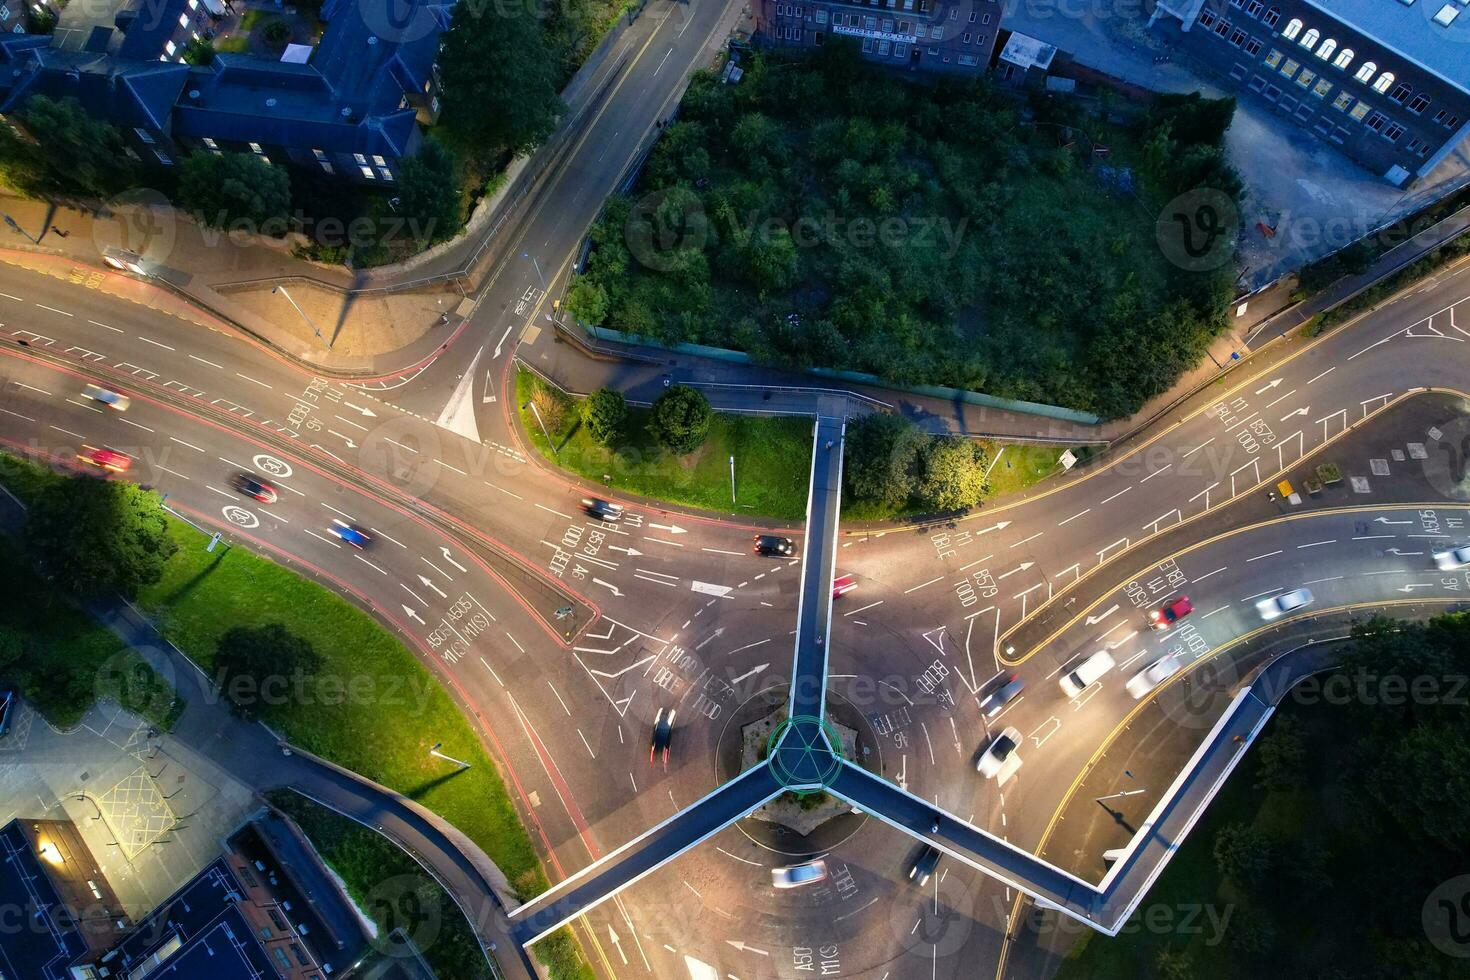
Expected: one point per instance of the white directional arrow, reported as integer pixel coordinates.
(608, 585)
(1403, 554)
(617, 944)
(367, 412)
(412, 613)
(995, 527)
(487, 397)
(1268, 387)
(1415, 585)
(1094, 620)
(748, 674)
(346, 439)
(630, 552)
(717, 633)
(671, 528)
(1019, 568)
(450, 558)
(1300, 411)
(742, 947)
(430, 583)
(1384, 520)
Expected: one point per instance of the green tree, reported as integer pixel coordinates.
(881, 459)
(256, 665)
(952, 474)
(429, 196)
(588, 300)
(12, 647)
(92, 536)
(75, 151)
(603, 413)
(1243, 854)
(499, 80)
(224, 188)
(680, 419)
(1281, 755)
(199, 51)
(1172, 964)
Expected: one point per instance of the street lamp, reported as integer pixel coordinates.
(17, 228)
(313, 326)
(545, 431)
(447, 758)
(732, 480)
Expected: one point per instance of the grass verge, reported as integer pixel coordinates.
(372, 708)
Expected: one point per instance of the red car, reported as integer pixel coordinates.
(1168, 615)
(843, 584)
(107, 459)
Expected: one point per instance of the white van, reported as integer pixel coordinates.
(1076, 680)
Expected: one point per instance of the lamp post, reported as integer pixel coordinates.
(447, 758)
(11, 222)
(732, 480)
(545, 431)
(302, 313)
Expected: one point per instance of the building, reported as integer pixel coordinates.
(1385, 81)
(923, 35)
(351, 106)
(265, 909)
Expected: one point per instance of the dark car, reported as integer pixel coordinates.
(254, 487)
(663, 734)
(1003, 695)
(354, 536)
(603, 510)
(924, 865)
(1169, 614)
(774, 545)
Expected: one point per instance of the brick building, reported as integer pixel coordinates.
(927, 35)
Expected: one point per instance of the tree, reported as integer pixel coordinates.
(952, 474)
(199, 51)
(429, 197)
(680, 419)
(499, 80)
(603, 413)
(881, 459)
(587, 300)
(1243, 854)
(1281, 755)
(75, 151)
(1172, 964)
(255, 665)
(93, 536)
(225, 188)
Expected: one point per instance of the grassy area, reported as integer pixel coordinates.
(368, 679)
(1016, 466)
(772, 458)
(390, 889)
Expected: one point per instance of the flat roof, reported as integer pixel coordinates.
(46, 941)
(1028, 52)
(1410, 30)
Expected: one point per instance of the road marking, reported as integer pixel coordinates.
(1323, 374)
(1213, 611)
(1316, 543)
(556, 512)
(662, 541)
(174, 472)
(68, 432)
(136, 425)
(196, 357)
(448, 467)
(1025, 540)
(400, 445)
(329, 541)
(253, 381)
(559, 700)
(1156, 472)
(1073, 518)
(53, 309)
(153, 342)
(336, 511)
(1208, 574)
(719, 551)
(921, 585)
(399, 543)
(1117, 495)
(183, 443)
(18, 415)
(22, 384)
(1270, 591)
(862, 609)
(1197, 448)
(370, 564)
(1283, 397)
(1266, 555)
(1317, 581)
(1373, 537)
(350, 422)
(16, 298)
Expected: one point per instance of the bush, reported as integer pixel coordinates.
(92, 536)
(1244, 854)
(881, 459)
(680, 419)
(252, 661)
(953, 474)
(225, 188)
(604, 413)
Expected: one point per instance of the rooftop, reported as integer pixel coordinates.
(1412, 31)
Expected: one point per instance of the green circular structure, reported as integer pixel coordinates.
(805, 754)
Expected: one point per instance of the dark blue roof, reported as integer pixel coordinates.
(152, 24)
(46, 940)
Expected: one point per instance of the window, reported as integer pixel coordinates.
(1254, 8)
(359, 159)
(1306, 78)
(1451, 121)
(1365, 71)
(255, 148)
(937, 32)
(1343, 59)
(1325, 49)
(973, 15)
(385, 173)
(143, 135)
(1309, 40)
(867, 45)
(884, 47)
(1418, 104)
(900, 49)
(1342, 101)
(1252, 46)
(1418, 147)
(1222, 28)
(170, 47)
(1289, 67)
(1273, 59)
(821, 15)
(887, 25)
(163, 158)
(368, 173)
(1292, 29)
(379, 160)
(1401, 92)
(183, 20)
(1237, 37)
(211, 144)
(1383, 82)
(985, 19)
(1376, 121)
(968, 59)
(1272, 18)
(1207, 18)
(1394, 132)
(979, 38)
(1323, 87)
(954, 13)
(1358, 111)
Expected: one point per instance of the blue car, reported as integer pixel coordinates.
(350, 534)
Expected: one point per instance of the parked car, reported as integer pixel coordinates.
(106, 396)
(1166, 616)
(254, 487)
(843, 584)
(1003, 695)
(354, 536)
(1284, 603)
(603, 510)
(796, 875)
(1153, 675)
(924, 865)
(663, 734)
(1000, 751)
(106, 459)
(1448, 561)
(1076, 680)
(774, 545)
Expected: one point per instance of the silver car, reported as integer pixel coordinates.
(796, 875)
(1284, 603)
(999, 753)
(1153, 675)
(1448, 561)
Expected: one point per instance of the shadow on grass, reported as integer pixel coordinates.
(195, 580)
(416, 792)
